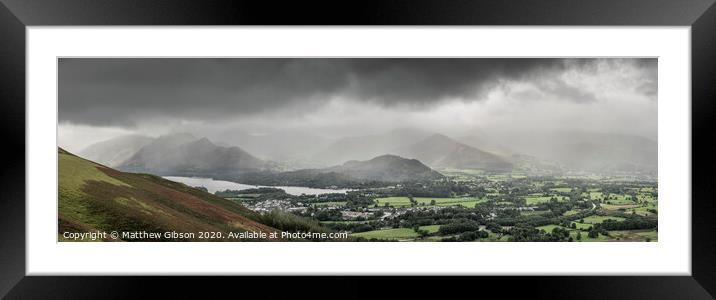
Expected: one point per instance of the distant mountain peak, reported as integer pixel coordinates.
(178, 135)
(205, 141)
(182, 154)
(174, 139)
(440, 137)
(386, 157)
(387, 168)
(441, 151)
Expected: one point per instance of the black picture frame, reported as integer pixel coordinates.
(16, 15)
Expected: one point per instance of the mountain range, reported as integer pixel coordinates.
(183, 154)
(434, 150)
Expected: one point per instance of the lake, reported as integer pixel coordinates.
(220, 185)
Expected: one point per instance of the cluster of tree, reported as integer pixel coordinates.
(459, 227)
(467, 236)
(328, 197)
(356, 200)
(556, 207)
(527, 220)
(326, 214)
(493, 227)
(523, 233)
(559, 234)
(442, 216)
(594, 233)
(437, 188)
(289, 222)
(352, 226)
(631, 223)
(263, 193)
(404, 221)
(473, 235)
(490, 215)
(421, 232)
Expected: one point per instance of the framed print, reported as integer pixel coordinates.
(476, 148)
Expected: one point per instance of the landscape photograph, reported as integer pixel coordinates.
(357, 149)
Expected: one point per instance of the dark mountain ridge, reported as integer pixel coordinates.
(183, 155)
(379, 171)
(387, 168)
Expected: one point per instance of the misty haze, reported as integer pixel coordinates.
(360, 149)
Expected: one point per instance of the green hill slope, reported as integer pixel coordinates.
(94, 197)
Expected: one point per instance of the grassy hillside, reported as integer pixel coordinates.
(95, 197)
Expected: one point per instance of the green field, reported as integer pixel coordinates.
(562, 190)
(531, 200)
(582, 226)
(635, 235)
(430, 228)
(549, 228)
(617, 207)
(586, 238)
(573, 233)
(405, 202)
(594, 195)
(599, 219)
(573, 212)
(591, 220)
(644, 210)
(494, 237)
(619, 200)
(395, 233)
(625, 235)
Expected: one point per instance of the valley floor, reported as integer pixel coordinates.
(473, 206)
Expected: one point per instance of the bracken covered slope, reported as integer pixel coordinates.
(95, 197)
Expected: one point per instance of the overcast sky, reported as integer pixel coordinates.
(333, 97)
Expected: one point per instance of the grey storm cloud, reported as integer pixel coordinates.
(122, 91)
